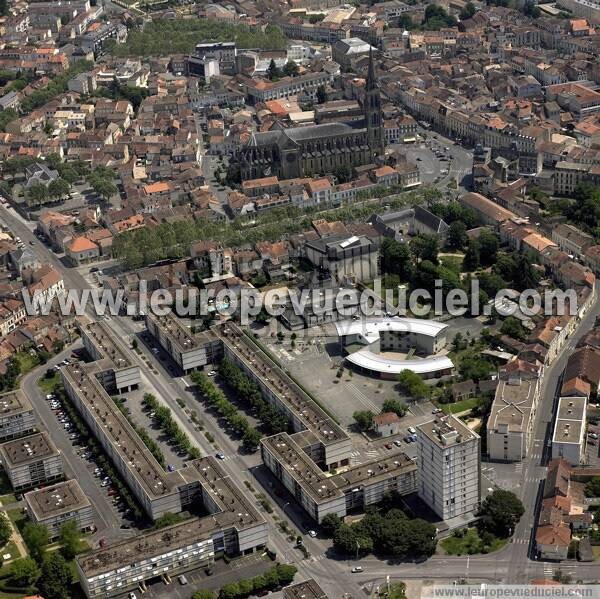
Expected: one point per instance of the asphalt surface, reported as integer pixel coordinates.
(511, 564)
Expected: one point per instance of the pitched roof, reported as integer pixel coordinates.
(82, 244)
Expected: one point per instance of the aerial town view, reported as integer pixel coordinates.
(298, 299)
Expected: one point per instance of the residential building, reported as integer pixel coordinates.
(233, 526)
(449, 467)
(17, 417)
(512, 415)
(31, 461)
(81, 251)
(190, 351)
(387, 424)
(309, 589)
(568, 440)
(60, 503)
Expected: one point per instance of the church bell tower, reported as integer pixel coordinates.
(372, 109)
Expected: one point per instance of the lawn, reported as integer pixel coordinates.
(11, 548)
(596, 551)
(26, 361)
(459, 406)
(469, 544)
(47, 385)
(17, 517)
(454, 263)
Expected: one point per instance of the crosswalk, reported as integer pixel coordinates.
(548, 571)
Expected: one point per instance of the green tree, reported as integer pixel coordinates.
(70, 539)
(273, 71)
(512, 326)
(55, 579)
(592, 487)
(5, 529)
(472, 259)
(488, 243)
(290, 69)
(230, 591)
(36, 538)
(363, 419)
(203, 594)
(396, 259)
(412, 384)
(37, 193)
(457, 235)
(394, 405)
(24, 572)
(58, 188)
(330, 523)
(349, 541)
(286, 573)
(251, 439)
(500, 512)
(425, 247)
(468, 11)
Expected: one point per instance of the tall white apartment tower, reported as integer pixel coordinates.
(449, 467)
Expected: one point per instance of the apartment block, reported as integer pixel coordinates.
(353, 488)
(449, 467)
(324, 441)
(233, 526)
(115, 365)
(568, 441)
(60, 503)
(189, 351)
(511, 420)
(16, 415)
(31, 461)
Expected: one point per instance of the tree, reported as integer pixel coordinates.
(5, 529)
(472, 259)
(251, 439)
(412, 384)
(473, 366)
(530, 9)
(425, 247)
(457, 236)
(396, 259)
(285, 573)
(512, 326)
(363, 419)
(230, 591)
(37, 193)
(393, 405)
(70, 539)
(468, 11)
(592, 487)
(500, 512)
(290, 69)
(3, 8)
(58, 188)
(24, 572)
(55, 579)
(273, 72)
(203, 594)
(528, 277)
(330, 523)
(36, 538)
(488, 243)
(348, 540)
(321, 94)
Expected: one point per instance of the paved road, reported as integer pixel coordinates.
(106, 518)
(512, 564)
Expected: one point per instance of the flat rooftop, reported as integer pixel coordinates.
(309, 589)
(236, 511)
(180, 335)
(108, 344)
(135, 454)
(447, 431)
(306, 409)
(14, 402)
(570, 420)
(512, 405)
(365, 358)
(57, 499)
(317, 483)
(28, 449)
(371, 328)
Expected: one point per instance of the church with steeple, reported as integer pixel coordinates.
(322, 149)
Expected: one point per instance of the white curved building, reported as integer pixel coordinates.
(395, 335)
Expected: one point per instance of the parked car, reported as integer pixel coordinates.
(220, 455)
(312, 534)
(182, 580)
(357, 569)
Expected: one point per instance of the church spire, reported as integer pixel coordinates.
(371, 72)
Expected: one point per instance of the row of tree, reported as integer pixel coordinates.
(165, 420)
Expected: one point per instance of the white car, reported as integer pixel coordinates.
(312, 533)
(357, 569)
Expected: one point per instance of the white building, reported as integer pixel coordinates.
(568, 441)
(60, 503)
(449, 467)
(31, 461)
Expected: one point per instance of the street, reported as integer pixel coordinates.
(511, 564)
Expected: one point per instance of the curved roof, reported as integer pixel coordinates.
(365, 358)
(371, 327)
